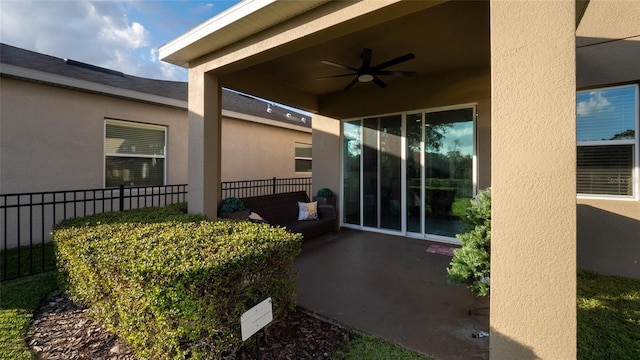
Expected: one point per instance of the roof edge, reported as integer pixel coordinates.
(226, 23)
(264, 121)
(216, 23)
(64, 81)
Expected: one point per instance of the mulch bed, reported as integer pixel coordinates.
(62, 330)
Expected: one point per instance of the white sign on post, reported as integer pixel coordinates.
(256, 318)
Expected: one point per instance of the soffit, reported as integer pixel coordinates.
(243, 20)
(446, 37)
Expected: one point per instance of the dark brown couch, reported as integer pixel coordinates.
(282, 210)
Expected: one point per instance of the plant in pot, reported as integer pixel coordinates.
(233, 208)
(471, 264)
(325, 196)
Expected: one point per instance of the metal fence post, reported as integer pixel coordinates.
(121, 197)
(274, 185)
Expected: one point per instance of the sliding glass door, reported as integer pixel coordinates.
(409, 173)
(448, 171)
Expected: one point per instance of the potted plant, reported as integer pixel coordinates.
(471, 264)
(233, 208)
(325, 196)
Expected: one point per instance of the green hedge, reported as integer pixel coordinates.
(175, 285)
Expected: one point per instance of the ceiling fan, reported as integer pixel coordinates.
(367, 73)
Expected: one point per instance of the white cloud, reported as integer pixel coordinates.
(95, 32)
(596, 102)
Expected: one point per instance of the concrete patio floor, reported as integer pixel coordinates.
(391, 287)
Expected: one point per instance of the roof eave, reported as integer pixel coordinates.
(232, 25)
(88, 86)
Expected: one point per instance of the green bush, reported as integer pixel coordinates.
(231, 204)
(325, 192)
(175, 285)
(471, 264)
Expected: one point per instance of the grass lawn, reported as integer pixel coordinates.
(19, 299)
(33, 260)
(608, 317)
(608, 320)
(364, 346)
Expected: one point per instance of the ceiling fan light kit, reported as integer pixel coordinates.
(367, 73)
(365, 77)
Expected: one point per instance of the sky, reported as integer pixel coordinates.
(118, 35)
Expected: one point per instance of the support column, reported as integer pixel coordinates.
(205, 121)
(533, 249)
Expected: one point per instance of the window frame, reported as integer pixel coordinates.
(133, 124)
(296, 157)
(635, 143)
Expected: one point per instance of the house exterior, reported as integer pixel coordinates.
(485, 93)
(66, 125)
(61, 118)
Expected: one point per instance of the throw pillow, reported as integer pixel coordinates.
(257, 218)
(307, 211)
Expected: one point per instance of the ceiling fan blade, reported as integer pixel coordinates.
(379, 82)
(336, 76)
(395, 61)
(366, 58)
(395, 73)
(327, 62)
(355, 81)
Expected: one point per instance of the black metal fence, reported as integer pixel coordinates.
(248, 188)
(27, 219)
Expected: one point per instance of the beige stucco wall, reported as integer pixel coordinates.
(608, 53)
(52, 138)
(533, 238)
(608, 43)
(253, 150)
(326, 146)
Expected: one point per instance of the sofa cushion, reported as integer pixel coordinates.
(278, 209)
(307, 211)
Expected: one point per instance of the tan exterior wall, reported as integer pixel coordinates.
(608, 53)
(533, 237)
(326, 146)
(252, 150)
(608, 43)
(53, 138)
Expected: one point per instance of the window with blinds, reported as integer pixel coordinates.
(607, 138)
(303, 157)
(134, 154)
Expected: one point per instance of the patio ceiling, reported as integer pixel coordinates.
(446, 38)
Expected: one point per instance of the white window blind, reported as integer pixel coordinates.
(607, 138)
(134, 154)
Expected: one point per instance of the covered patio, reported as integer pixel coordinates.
(512, 62)
(393, 288)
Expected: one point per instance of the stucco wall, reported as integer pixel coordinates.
(608, 53)
(53, 138)
(252, 150)
(533, 217)
(326, 145)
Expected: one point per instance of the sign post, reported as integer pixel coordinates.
(255, 319)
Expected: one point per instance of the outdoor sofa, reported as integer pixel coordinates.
(283, 210)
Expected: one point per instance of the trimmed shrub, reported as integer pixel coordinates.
(325, 192)
(231, 204)
(471, 264)
(175, 285)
